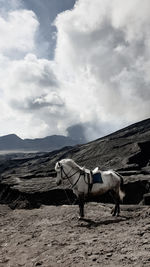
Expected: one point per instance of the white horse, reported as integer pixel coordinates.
(80, 180)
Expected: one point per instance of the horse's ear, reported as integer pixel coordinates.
(59, 165)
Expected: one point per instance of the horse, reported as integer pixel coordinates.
(81, 181)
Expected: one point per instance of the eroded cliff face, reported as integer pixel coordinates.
(28, 180)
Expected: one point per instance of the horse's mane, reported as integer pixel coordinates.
(72, 164)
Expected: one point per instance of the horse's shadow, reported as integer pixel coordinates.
(92, 223)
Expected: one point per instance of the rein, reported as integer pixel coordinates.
(68, 177)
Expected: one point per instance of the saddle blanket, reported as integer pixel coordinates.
(97, 178)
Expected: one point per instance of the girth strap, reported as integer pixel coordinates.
(90, 181)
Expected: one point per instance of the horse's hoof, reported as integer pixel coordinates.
(80, 218)
(115, 215)
(112, 211)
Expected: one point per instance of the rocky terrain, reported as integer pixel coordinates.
(39, 228)
(28, 180)
(52, 236)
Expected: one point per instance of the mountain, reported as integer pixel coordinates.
(49, 143)
(10, 142)
(30, 178)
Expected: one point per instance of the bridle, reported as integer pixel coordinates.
(67, 177)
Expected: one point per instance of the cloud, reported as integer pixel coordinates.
(9, 5)
(77, 132)
(29, 77)
(103, 54)
(18, 31)
(98, 80)
(29, 88)
(33, 96)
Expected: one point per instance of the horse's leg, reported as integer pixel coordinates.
(116, 210)
(113, 211)
(81, 205)
(118, 200)
(117, 206)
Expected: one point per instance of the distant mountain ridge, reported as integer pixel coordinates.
(48, 143)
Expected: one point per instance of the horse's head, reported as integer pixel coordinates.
(58, 169)
(66, 170)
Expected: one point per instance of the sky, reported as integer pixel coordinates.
(79, 68)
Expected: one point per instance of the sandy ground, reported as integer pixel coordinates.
(53, 236)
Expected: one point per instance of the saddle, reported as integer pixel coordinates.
(93, 177)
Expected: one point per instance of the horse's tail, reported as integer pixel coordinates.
(121, 188)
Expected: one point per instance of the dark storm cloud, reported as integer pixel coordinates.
(90, 130)
(77, 132)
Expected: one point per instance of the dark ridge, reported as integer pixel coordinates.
(13, 142)
(142, 126)
(30, 178)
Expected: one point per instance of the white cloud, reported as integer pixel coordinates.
(17, 31)
(99, 76)
(103, 54)
(29, 94)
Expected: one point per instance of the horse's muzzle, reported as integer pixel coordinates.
(59, 182)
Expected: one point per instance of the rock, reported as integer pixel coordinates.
(109, 255)
(94, 258)
(145, 242)
(39, 263)
(146, 199)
